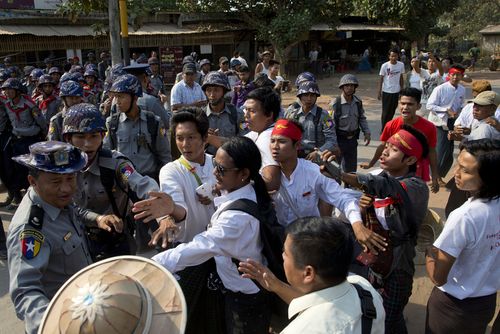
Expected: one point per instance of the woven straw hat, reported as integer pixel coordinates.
(123, 294)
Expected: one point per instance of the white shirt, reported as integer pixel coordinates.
(242, 61)
(444, 97)
(391, 74)
(466, 117)
(471, 235)
(183, 94)
(482, 130)
(313, 55)
(177, 181)
(305, 187)
(278, 79)
(230, 234)
(416, 79)
(335, 310)
(263, 142)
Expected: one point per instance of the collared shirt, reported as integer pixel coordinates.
(223, 122)
(134, 141)
(351, 118)
(151, 103)
(334, 310)
(231, 234)
(263, 142)
(327, 139)
(25, 117)
(51, 259)
(157, 83)
(305, 187)
(466, 117)
(444, 97)
(482, 130)
(51, 109)
(180, 183)
(93, 194)
(184, 94)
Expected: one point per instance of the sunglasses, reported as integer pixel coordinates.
(221, 169)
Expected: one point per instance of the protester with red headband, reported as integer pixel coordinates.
(398, 199)
(302, 183)
(444, 104)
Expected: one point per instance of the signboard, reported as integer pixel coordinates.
(30, 4)
(171, 63)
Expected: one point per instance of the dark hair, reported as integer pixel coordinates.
(236, 53)
(273, 62)
(411, 92)
(246, 154)
(396, 51)
(421, 139)
(67, 67)
(487, 154)
(244, 68)
(459, 67)
(269, 99)
(194, 115)
(323, 243)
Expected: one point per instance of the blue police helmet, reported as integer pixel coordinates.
(77, 77)
(127, 83)
(234, 63)
(308, 87)
(36, 74)
(53, 157)
(303, 77)
(45, 79)
(216, 78)
(54, 70)
(70, 88)
(83, 118)
(348, 79)
(3, 76)
(90, 73)
(12, 83)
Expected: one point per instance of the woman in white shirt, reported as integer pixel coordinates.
(417, 75)
(464, 261)
(231, 234)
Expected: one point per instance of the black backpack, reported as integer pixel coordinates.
(272, 234)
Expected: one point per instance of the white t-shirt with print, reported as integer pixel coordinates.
(391, 74)
(263, 141)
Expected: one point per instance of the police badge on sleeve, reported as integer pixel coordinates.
(31, 243)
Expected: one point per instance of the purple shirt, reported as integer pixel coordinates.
(241, 97)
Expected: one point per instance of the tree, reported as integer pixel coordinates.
(282, 23)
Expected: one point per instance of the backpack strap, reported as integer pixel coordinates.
(368, 310)
(108, 181)
(317, 117)
(245, 205)
(152, 125)
(113, 127)
(233, 117)
(337, 111)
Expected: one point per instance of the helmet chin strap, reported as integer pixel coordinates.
(132, 96)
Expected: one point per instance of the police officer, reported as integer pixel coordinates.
(225, 120)
(46, 242)
(92, 84)
(156, 78)
(136, 133)
(71, 93)
(350, 119)
(109, 181)
(48, 103)
(32, 90)
(28, 126)
(55, 73)
(319, 130)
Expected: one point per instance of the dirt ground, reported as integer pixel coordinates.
(415, 310)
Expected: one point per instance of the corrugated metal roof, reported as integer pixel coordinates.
(491, 29)
(71, 30)
(355, 26)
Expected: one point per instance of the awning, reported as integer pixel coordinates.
(490, 30)
(356, 26)
(72, 30)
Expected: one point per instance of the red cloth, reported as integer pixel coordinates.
(429, 131)
(45, 103)
(407, 143)
(284, 127)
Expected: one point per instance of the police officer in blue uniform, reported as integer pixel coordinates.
(46, 241)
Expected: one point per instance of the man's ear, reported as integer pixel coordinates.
(411, 160)
(32, 180)
(309, 275)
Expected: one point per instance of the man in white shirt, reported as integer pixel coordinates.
(431, 81)
(187, 93)
(485, 105)
(444, 105)
(391, 81)
(322, 297)
(261, 109)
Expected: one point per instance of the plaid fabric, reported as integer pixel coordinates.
(395, 293)
(205, 304)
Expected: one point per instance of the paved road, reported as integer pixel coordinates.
(415, 311)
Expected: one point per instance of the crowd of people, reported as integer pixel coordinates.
(220, 177)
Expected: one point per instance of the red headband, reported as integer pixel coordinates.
(454, 70)
(407, 143)
(284, 127)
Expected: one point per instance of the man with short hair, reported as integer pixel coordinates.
(242, 87)
(433, 78)
(485, 105)
(444, 105)
(187, 92)
(274, 71)
(323, 297)
(390, 83)
(409, 103)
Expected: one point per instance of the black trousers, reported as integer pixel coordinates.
(447, 314)
(389, 105)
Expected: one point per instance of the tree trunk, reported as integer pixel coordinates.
(282, 56)
(114, 32)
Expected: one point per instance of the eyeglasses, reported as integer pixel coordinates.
(221, 169)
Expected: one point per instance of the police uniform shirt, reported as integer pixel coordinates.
(305, 187)
(93, 195)
(4, 119)
(55, 126)
(41, 260)
(25, 117)
(180, 183)
(222, 122)
(351, 119)
(151, 103)
(231, 234)
(327, 139)
(52, 108)
(133, 138)
(157, 83)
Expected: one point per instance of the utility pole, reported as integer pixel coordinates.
(114, 32)
(124, 27)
